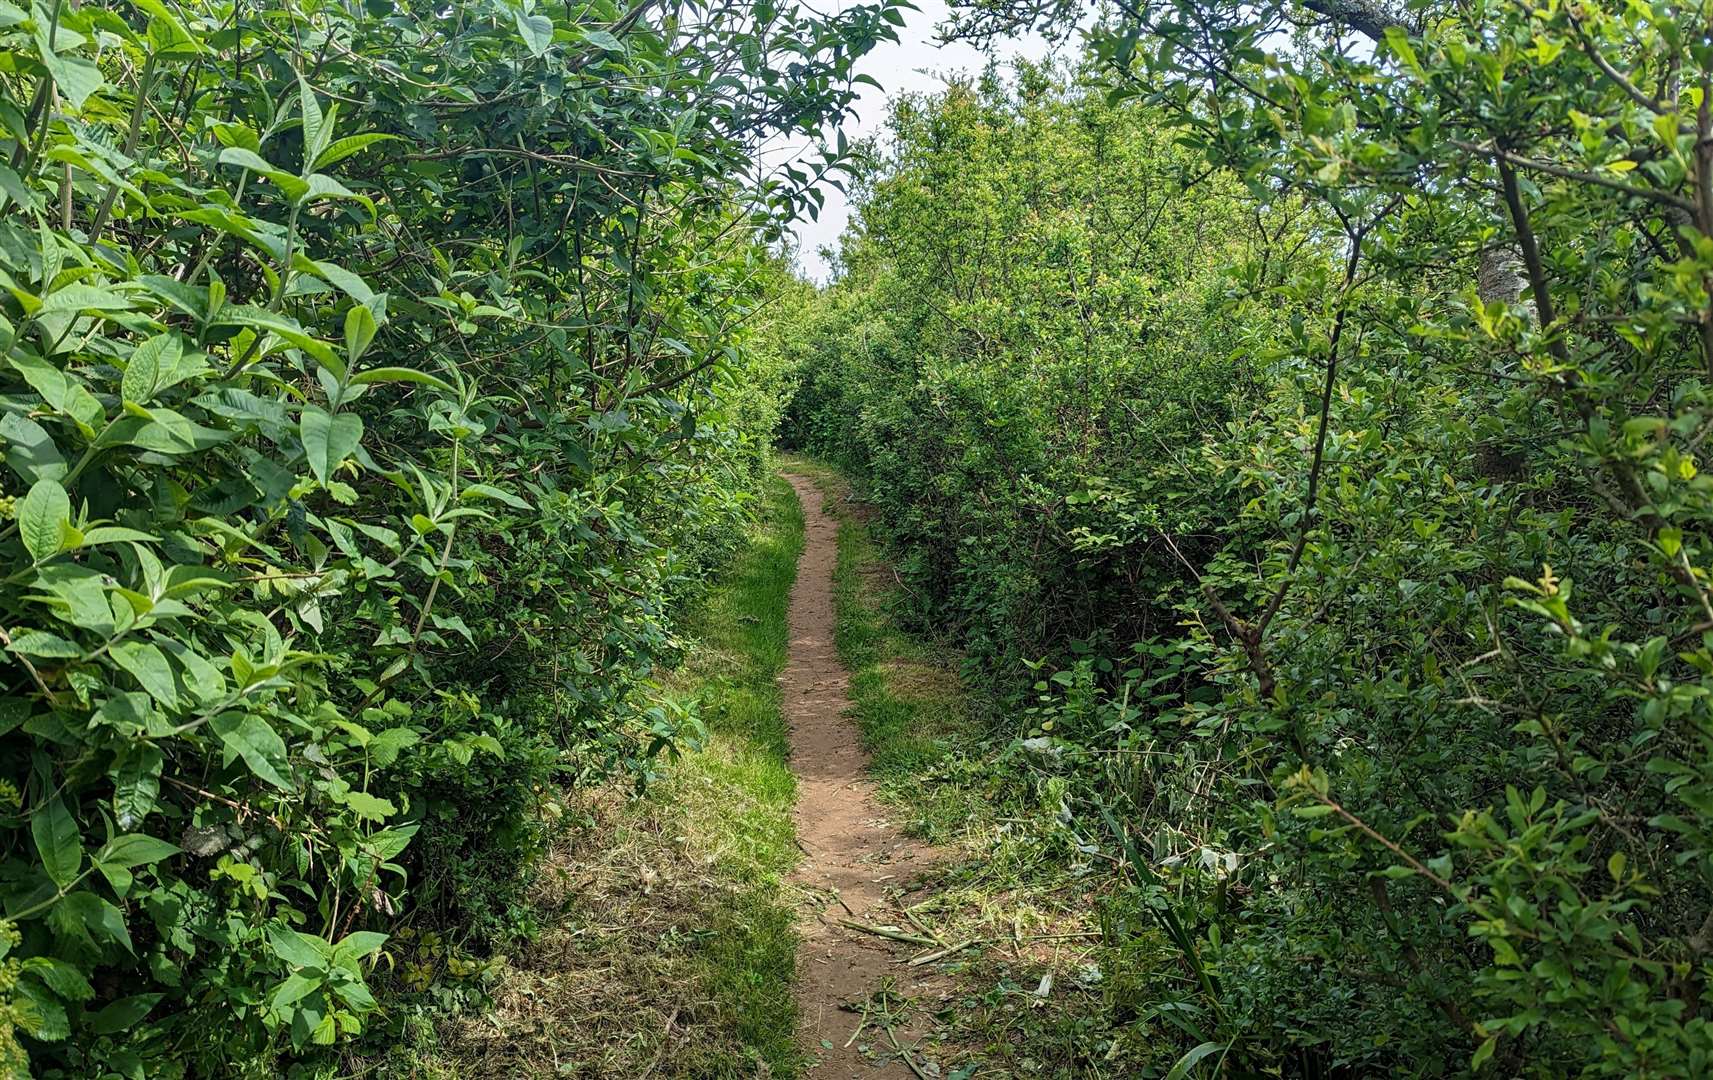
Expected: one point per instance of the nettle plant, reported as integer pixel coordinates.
(308, 309)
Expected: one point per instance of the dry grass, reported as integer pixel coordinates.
(667, 945)
(618, 986)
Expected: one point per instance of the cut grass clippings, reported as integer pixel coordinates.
(668, 947)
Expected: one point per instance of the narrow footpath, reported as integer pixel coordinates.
(861, 1007)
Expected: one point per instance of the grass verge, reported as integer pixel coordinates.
(668, 947)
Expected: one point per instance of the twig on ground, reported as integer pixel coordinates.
(892, 933)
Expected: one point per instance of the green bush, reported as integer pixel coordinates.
(1267, 400)
(376, 385)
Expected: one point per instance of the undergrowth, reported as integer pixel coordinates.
(669, 946)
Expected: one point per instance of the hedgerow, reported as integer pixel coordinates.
(1298, 415)
(376, 385)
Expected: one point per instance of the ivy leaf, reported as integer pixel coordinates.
(250, 737)
(42, 516)
(328, 439)
(58, 841)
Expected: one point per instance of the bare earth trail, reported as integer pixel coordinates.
(856, 861)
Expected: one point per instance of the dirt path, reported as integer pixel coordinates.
(856, 861)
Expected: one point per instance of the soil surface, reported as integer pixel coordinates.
(858, 867)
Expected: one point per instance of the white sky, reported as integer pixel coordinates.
(915, 63)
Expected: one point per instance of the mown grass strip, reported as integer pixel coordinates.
(733, 670)
(668, 942)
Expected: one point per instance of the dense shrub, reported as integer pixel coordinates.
(376, 386)
(1291, 508)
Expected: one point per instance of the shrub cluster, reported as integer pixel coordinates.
(375, 385)
(1267, 420)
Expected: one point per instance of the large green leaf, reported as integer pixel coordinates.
(59, 843)
(150, 667)
(135, 849)
(136, 783)
(328, 439)
(150, 363)
(251, 738)
(43, 516)
(123, 1013)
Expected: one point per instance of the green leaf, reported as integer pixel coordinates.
(30, 451)
(1194, 1055)
(136, 783)
(150, 667)
(537, 31)
(77, 298)
(45, 1018)
(368, 806)
(1398, 40)
(341, 149)
(60, 977)
(42, 516)
(78, 79)
(298, 949)
(122, 1013)
(296, 987)
(135, 849)
(316, 130)
(488, 491)
(250, 737)
(43, 644)
(58, 842)
(360, 329)
(360, 944)
(116, 534)
(399, 374)
(1483, 1052)
(100, 918)
(149, 363)
(328, 439)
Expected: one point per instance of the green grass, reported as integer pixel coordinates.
(742, 646)
(668, 943)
